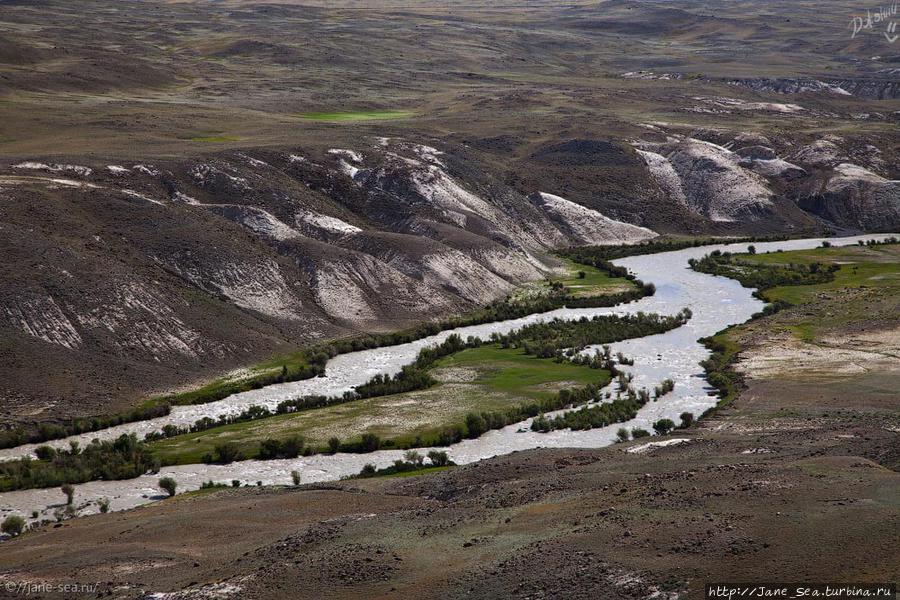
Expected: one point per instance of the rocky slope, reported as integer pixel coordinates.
(127, 274)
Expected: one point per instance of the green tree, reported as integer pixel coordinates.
(370, 442)
(622, 435)
(438, 458)
(168, 485)
(13, 525)
(413, 457)
(334, 445)
(664, 426)
(295, 477)
(687, 419)
(475, 425)
(69, 490)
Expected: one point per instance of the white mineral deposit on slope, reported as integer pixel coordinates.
(735, 103)
(260, 221)
(140, 196)
(716, 303)
(821, 153)
(42, 318)
(147, 170)
(714, 183)
(54, 168)
(254, 285)
(591, 226)
(772, 167)
(326, 222)
(467, 277)
(345, 289)
(349, 154)
(664, 175)
(118, 170)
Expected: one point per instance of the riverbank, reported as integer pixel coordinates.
(716, 302)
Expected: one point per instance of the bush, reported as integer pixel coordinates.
(413, 457)
(622, 435)
(687, 419)
(104, 505)
(295, 477)
(69, 490)
(208, 485)
(272, 448)
(475, 425)
(45, 452)
(664, 426)
(235, 483)
(438, 458)
(168, 485)
(13, 525)
(370, 442)
(224, 454)
(334, 445)
(637, 433)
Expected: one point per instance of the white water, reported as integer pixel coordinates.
(716, 303)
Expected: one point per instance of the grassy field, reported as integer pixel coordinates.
(596, 282)
(868, 282)
(864, 295)
(481, 379)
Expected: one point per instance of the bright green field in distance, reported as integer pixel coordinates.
(478, 379)
(861, 266)
(364, 115)
(595, 282)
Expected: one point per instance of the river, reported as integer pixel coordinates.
(716, 303)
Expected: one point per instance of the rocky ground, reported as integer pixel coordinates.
(796, 480)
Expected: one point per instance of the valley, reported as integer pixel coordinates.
(447, 299)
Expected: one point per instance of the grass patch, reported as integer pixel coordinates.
(488, 378)
(360, 115)
(595, 281)
(860, 266)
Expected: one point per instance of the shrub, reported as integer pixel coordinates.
(207, 485)
(475, 425)
(45, 452)
(235, 483)
(664, 426)
(104, 505)
(13, 525)
(370, 442)
(637, 433)
(687, 419)
(622, 435)
(295, 477)
(226, 453)
(69, 490)
(413, 457)
(438, 458)
(168, 485)
(334, 445)
(368, 469)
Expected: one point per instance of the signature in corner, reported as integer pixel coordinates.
(871, 20)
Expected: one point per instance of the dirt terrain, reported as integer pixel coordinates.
(796, 480)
